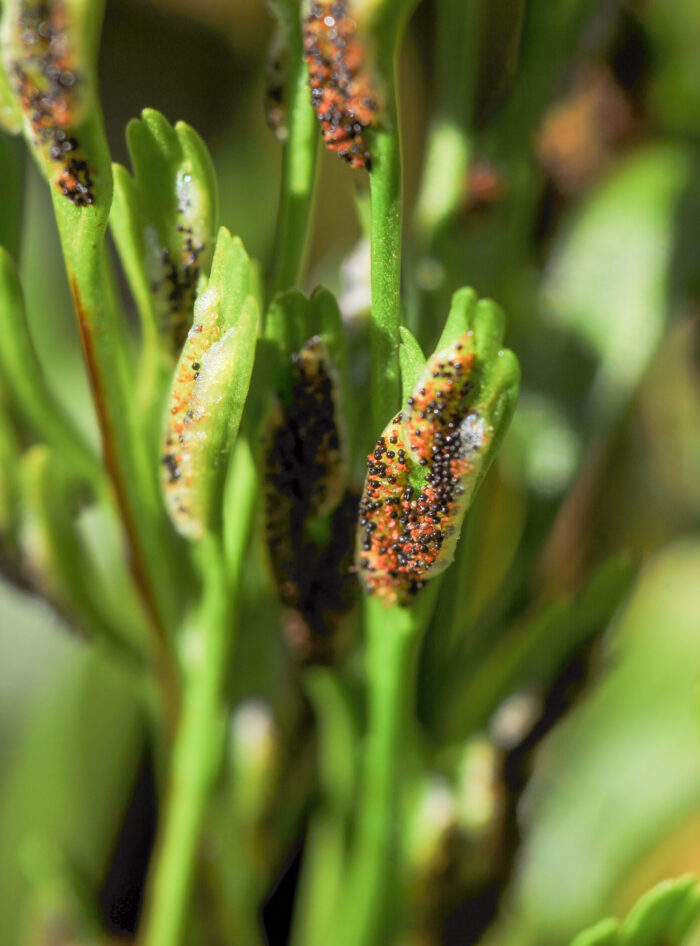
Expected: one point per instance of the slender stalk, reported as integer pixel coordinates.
(199, 741)
(195, 757)
(393, 641)
(385, 235)
(321, 883)
(299, 166)
(386, 218)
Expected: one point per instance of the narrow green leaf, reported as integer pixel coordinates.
(338, 732)
(25, 382)
(330, 325)
(666, 914)
(12, 159)
(628, 748)
(329, 322)
(324, 856)
(59, 897)
(53, 556)
(127, 228)
(531, 651)
(9, 461)
(604, 933)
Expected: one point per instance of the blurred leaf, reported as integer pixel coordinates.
(59, 905)
(325, 848)
(70, 777)
(673, 32)
(25, 383)
(531, 652)
(623, 771)
(290, 321)
(12, 189)
(35, 644)
(609, 277)
(664, 915)
(55, 558)
(9, 460)
(604, 933)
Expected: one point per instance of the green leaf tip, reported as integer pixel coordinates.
(458, 322)
(164, 220)
(209, 390)
(668, 913)
(604, 933)
(411, 360)
(428, 463)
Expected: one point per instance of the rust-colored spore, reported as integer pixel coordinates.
(343, 89)
(46, 82)
(406, 520)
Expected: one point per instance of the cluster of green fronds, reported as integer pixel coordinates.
(288, 576)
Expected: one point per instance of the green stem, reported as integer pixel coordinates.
(196, 755)
(394, 637)
(386, 218)
(299, 167)
(199, 741)
(385, 236)
(322, 874)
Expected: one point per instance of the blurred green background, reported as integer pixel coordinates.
(585, 227)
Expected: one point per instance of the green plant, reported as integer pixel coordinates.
(323, 605)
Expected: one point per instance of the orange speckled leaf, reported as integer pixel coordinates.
(426, 465)
(220, 343)
(41, 62)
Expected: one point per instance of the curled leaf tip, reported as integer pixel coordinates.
(342, 80)
(175, 202)
(425, 467)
